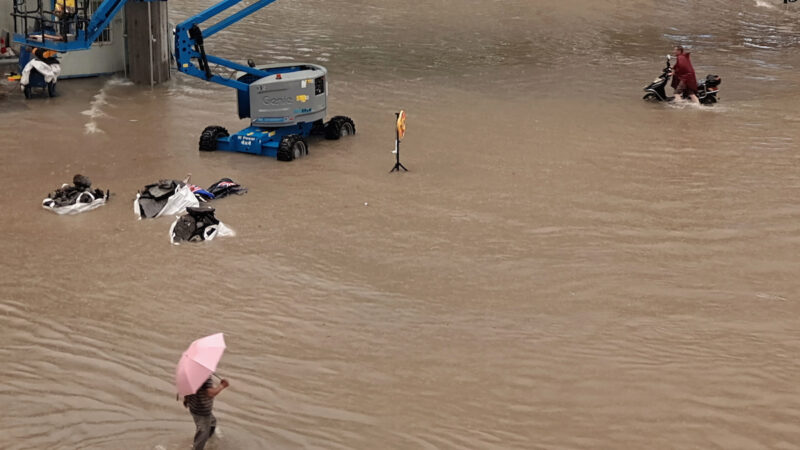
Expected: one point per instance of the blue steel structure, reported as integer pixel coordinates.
(284, 142)
(86, 33)
(189, 44)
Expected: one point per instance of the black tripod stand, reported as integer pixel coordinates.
(397, 165)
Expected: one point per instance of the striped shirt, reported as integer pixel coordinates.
(200, 404)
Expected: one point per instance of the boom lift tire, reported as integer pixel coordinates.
(208, 140)
(292, 147)
(318, 128)
(339, 126)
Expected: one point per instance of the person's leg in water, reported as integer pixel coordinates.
(679, 90)
(203, 424)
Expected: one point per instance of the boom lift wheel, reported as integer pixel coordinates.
(339, 126)
(318, 127)
(292, 147)
(208, 140)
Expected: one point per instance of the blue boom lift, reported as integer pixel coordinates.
(285, 102)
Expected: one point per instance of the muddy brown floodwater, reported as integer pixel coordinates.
(563, 267)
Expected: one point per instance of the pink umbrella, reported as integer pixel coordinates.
(198, 362)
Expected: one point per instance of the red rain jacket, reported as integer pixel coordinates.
(683, 71)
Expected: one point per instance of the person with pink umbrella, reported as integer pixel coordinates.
(193, 380)
(200, 406)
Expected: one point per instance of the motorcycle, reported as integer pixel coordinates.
(707, 89)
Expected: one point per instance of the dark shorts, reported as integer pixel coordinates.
(682, 89)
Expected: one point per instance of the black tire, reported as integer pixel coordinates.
(339, 126)
(318, 128)
(51, 89)
(709, 100)
(208, 140)
(650, 97)
(27, 91)
(292, 147)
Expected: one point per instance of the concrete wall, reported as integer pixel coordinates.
(101, 58)
(6, 21)
(148, 60)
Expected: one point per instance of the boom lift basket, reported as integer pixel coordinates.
(51, 20)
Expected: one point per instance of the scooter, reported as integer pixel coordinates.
(706, 90)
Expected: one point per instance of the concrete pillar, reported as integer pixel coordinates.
(148, 59)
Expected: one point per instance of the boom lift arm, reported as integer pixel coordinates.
(189, 44)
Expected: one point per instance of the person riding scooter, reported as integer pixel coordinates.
(707, 90)
(684, 80)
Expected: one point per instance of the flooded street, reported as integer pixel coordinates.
(564, 266)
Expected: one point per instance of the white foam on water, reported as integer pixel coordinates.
(91, 128)
(95, 110)
(119, 81)
(763, 4)
(685, 105)
(188, 90)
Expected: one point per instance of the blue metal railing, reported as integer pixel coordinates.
(40, 27)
